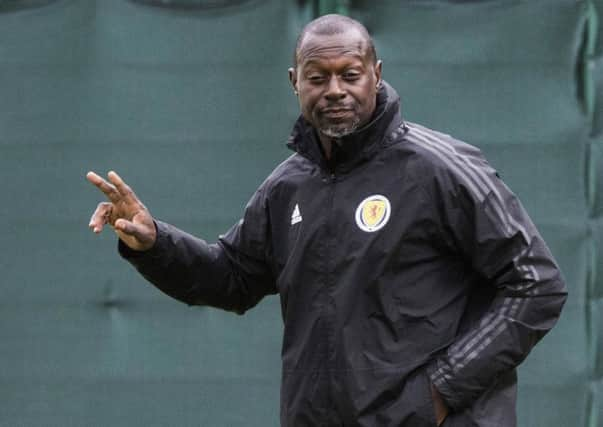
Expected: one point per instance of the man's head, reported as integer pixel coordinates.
(335, 75)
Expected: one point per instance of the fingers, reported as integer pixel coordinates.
(120, 185)
(108, 189)
(100, 217)
(139, 233)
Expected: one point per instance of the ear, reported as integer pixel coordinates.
(378, 69)
(293, 79)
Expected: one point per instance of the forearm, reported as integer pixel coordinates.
(193, 271)
(518, 318)
(482, 221)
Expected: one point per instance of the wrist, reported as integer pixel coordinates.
(440, 407)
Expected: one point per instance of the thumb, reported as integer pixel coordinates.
(139, 231)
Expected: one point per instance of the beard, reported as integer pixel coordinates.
(339, 130)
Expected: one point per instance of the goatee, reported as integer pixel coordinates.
(339, 131)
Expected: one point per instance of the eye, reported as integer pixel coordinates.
(316, 78)
(351, 76)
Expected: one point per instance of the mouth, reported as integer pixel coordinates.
(336, 112)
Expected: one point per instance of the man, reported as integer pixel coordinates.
(411, 280)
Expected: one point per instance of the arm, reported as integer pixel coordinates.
(483, 221)
(232, 274)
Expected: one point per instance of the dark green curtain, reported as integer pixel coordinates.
(192, 106)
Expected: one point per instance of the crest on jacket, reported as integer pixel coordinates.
(373, 213)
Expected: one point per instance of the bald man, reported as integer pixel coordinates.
(412, 281)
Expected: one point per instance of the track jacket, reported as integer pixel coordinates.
(404, 262)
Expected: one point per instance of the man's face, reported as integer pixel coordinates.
(336, 81)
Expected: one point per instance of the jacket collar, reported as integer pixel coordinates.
(354, 148)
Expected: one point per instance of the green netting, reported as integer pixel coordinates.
(56, 35)
(597, 70)
(497, 71)
(593, 71)
(596, 416)
(596, 318)
(595, 177)
(596, 302)
(192, 76)
(43, 71)
(195, 74)
(599, 9)
(476, 32)
(498, 104)
(208, 190)
(595, 270)
(565, 367)
(333, 6)
(570, 245)
(194, 112)
(144, 402)
(116, 336)
(545, 406)
(548, 179)
(220, 36)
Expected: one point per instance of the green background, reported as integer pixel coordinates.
(193, 107)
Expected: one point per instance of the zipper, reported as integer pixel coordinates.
(330, 315)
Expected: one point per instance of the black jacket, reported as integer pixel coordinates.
(403, 262)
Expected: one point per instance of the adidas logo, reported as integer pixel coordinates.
(296, 215)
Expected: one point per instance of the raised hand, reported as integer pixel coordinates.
(127, 215)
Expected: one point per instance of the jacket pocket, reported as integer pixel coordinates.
(413, 405)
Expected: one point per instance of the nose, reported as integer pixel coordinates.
(335, 91)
